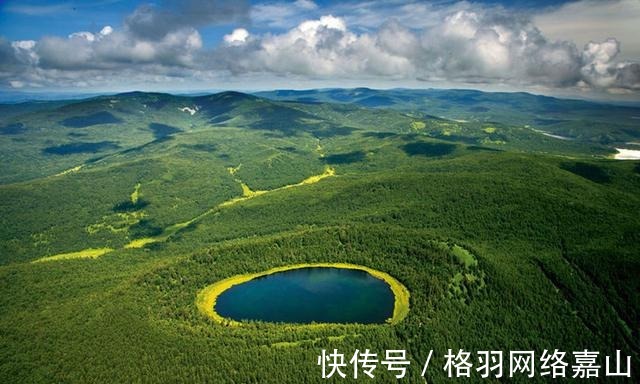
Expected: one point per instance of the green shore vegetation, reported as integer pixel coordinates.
(206, 299)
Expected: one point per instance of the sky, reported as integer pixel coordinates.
(585, 48)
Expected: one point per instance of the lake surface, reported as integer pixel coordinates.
(306, 295)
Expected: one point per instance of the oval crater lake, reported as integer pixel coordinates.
(309, 295)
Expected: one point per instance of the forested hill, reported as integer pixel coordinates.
(117, 211)
(598, 122)
(45, 138)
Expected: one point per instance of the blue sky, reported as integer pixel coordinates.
(583, 47)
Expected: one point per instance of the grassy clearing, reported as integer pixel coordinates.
(328, 172)
(139, 243)
(116, 223)
(319, 149)
(418, 126)
(331, 339)
(464, 257)
(489, 129)
(247, 194)
(206, 299)
(233, 170)
(70, 170)
(135, 195)
(91, 253)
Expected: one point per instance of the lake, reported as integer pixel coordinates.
(306, 295)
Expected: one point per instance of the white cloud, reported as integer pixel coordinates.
(24, 44)
(592, 20)
(281, 14)
(601, 70)
(83, 35)
(398, 40)
(473, 45)
(371, 14)
(16, 84)
(112, 49)
(107, 30)
(461, 43)
(316, 48)
(305, 4)
(237, 37)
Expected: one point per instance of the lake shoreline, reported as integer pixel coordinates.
(206, 298)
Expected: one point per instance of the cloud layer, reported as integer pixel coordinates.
(466, 43)
(153, 23)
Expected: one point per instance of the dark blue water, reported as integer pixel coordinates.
(306, 295)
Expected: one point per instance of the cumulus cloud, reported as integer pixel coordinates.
(85, 58)
(109, 49)
(8, 60)
(156, 41)
(473, 45)
(594, 20)
(601, 70)
(239, 36)
(484, 46)
(468, 43)
(315, 48)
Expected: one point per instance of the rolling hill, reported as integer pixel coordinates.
(572, 119)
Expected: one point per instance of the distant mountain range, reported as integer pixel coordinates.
(578, 119)
(89, 129)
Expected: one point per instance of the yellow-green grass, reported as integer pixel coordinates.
(290, 344)
(139, 243)
(206, 298)
(489, 129)
(328, 172)
(233, 170)
(247, 194)
(486, 140)
(168, 232)
(70, 170)
(135, 195)
(319, 148)
(418, 125)
(464, 257)
(116, 223)
(91, 253)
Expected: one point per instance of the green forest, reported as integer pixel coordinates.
(116, 211)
